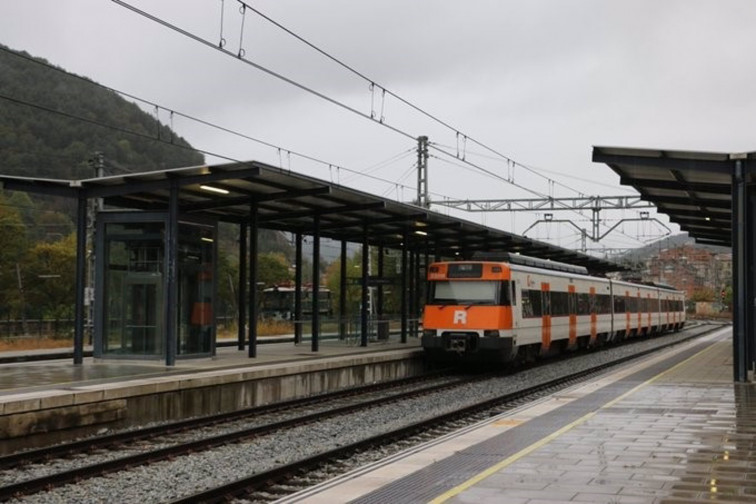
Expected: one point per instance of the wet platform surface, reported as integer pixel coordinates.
(673, 429)
(41, 375)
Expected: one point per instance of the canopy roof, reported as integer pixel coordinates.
(693, 188)
(290, 202)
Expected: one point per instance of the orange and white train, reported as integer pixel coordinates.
(520, 307)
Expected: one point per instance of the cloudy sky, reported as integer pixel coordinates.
(537, 81)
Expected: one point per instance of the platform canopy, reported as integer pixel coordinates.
(712, 196)
(288, 201)
(693, 188)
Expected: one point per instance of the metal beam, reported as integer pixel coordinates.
(550, 204)
(316, 284)
(81, 254)
(242, 285)
(51, 188)
(616, 161)
(364, 312)
(323, 211)
(143, 184)
(253, 275)
(677, 185)
(688, 202)
(171, 280)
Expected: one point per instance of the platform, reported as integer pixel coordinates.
(54, 399)
(53, 372)
(671, 429)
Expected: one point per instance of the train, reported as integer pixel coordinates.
(509, 307)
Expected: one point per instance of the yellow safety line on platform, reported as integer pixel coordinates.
(538, 444)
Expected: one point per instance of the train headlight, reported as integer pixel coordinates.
(429, 332)
(491, 334)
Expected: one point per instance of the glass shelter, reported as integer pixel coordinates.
(132, 317)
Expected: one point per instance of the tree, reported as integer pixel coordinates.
(273, 269)
(13, 238)
(704, 294)
(49, 274)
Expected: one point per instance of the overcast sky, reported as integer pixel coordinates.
(539, 81)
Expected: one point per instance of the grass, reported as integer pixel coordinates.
(264, 328)
(21, 344)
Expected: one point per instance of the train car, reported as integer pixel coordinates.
(277, 303)
(519, 307)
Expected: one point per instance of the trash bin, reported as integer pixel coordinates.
(383, 330)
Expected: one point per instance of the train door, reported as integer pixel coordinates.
(594, 316)
(545, 316)
(572, 314)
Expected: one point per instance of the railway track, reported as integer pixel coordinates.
(167, 437)
(286, 479)
(260, 486)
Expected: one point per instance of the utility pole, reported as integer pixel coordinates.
(95, 205)
(422, 172)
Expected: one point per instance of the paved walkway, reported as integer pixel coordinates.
(671, 429)
(37, 375)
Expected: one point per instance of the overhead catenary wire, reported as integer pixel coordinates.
(156, 139)
(372, 116)
(203, 122)
(373, 83)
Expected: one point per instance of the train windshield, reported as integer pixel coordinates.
(483, 292)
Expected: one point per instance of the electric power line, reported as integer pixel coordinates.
(240, 56)
(203, 122)
(373, 83)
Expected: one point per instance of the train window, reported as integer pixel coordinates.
(531, 303)
(486, 292)
(560, 304)
(619, 304)
(504, 294)
(604, 304)
(514, 292)
(584, 304)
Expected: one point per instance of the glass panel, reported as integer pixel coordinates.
(196, 288)
(133, 284)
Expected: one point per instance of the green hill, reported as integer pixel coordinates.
(52, 123)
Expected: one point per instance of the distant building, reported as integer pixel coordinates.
(690, 269)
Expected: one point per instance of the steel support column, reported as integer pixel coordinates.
(416, 312)
(316, 283)
(81, 254)
(750, 275)
(740, 273)
(411, 301)
(364, 300)
(404, 289)
(379, 296)
(242, 285)
(253, 274)
(343, 292)
(298, 289)
(171, 280)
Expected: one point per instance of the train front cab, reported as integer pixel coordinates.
(468, 313)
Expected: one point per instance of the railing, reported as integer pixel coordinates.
(349, 329)
(60, 328)
(36, 328)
